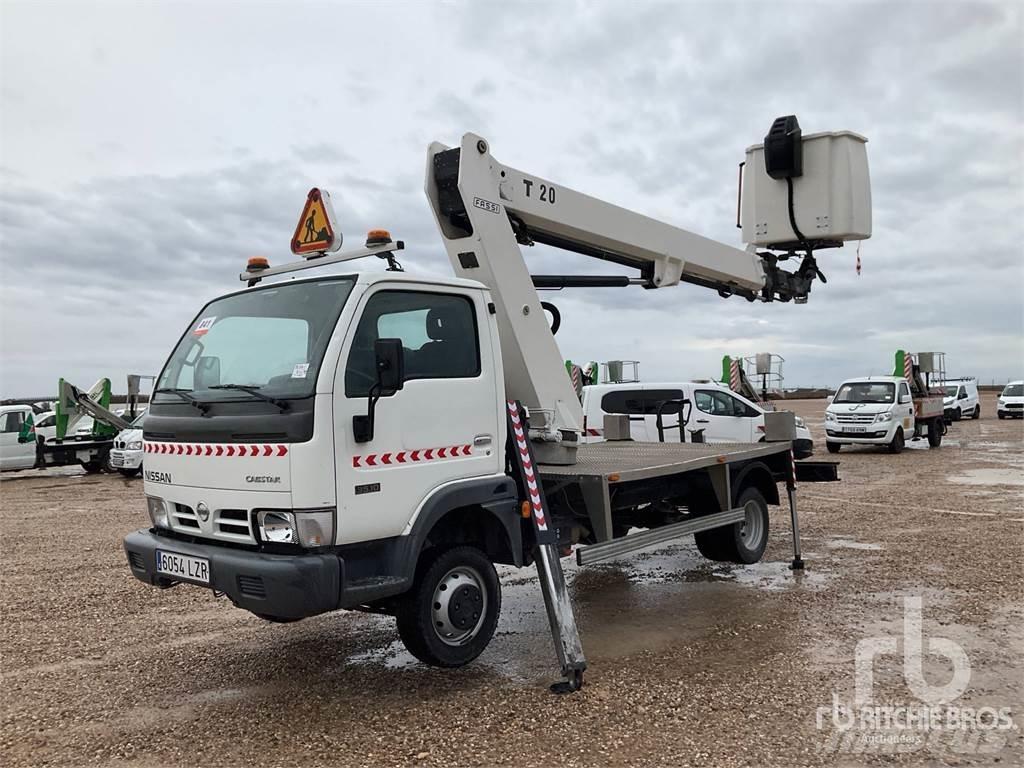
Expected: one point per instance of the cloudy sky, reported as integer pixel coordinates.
(147, 149)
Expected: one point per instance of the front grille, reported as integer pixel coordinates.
(252, 586)
(185, 516)
(855, 418)
(233, 524)
(1014, 406)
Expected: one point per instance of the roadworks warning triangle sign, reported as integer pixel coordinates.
(316, 231)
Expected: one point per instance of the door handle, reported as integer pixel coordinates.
(702, 421)
(482, 440)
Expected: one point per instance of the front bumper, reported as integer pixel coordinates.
(282, 586)
(876, 434)
(123, 459)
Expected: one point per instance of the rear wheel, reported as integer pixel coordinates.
(897, 442)
(449, 615)
(833, 447)
(742, 542)
(935, 430)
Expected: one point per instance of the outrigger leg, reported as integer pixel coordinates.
(798, 563)
(564, 632)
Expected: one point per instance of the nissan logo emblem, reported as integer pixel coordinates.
(203, 511)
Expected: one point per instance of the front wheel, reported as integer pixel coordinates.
(957, 414)
(92, 467)
(449, 615)
(833, 447)
(1001, 415)
(742, 542)
(977, 412)
(897, 442)
(130, 472)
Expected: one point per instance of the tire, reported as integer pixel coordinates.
(977, 412)
(957, 414)
(130, 472)
(833, 447)
(935, 433)
(742, 542)
(1001, 415)
(449, 615)
(92, 467)
(897, 442)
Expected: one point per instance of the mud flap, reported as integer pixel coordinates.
(561, 617)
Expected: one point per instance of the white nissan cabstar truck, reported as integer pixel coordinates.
(377, 441)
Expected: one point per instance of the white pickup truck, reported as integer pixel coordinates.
(881, 410)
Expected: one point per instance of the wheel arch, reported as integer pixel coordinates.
(758, 475)
(482, 512)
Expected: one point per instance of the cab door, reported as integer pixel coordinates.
(15, 454)
(905, 409)
(441, 427)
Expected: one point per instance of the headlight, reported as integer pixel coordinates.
(829, 416)
(307, 528)
(1001, 401)
(135, 445)
(883, 416)
(798, 421)
(158, 512)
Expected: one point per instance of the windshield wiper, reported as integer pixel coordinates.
(255, 392)
(184, 395)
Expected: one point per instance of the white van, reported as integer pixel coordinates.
(1011, 401)
(961, 399)
(17, 447)
(722, 415)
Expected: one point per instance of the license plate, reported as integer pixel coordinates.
(116, 461)
(183, 566)
(855, 429)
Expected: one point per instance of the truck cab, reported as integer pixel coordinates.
(251, 440)
(874, 410)
(17, 446)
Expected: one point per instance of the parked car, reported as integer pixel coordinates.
(126, 455)
(961, 399)
(1011, 401)
(716, 411)
(17, 446)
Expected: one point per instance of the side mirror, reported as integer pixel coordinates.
(904, 399)
(963, 396)
(829, 399)
(389, 363)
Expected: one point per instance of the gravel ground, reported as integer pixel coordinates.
(691, 663)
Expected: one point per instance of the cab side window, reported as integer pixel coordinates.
(12, 421)
(715, 403)
(904, 391)
(438, 333)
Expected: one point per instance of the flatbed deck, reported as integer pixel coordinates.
(601, 469)
(626, 460)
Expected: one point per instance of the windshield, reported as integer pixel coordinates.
(866, 392)
(1014, 390)
(272, 339)
(951, 391)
